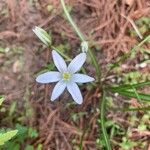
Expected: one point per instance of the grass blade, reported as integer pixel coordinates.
(132, 94)
(132, 109)
(130, 86)
(1, 100)
(102, 122)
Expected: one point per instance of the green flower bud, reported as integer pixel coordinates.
(42, 35)
(84, 46)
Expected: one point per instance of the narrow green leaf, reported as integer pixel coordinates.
(102, 122)
(130, 86)
(136, 93)
(132, 94)
(132, 109)
(39, 147)
(1, 100)
(4, 137)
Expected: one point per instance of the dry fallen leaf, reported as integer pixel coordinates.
(17, 66)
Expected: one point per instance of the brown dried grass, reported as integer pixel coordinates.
(102, 22)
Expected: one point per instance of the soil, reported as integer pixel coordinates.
(104, 25)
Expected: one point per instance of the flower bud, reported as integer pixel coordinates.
(84, 46)
(42, 35)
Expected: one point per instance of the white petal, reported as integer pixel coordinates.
(82, 78)
(59, 61)
(77, 63)
(75, 92)
(48, 77)
(58, 90)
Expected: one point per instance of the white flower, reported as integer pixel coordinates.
(66, 77)
(42, 35)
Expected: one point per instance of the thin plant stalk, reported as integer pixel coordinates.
(102, 118)
(82, 38)
(98, 72)
(77, 30)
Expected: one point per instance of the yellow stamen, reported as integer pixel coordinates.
(66, 76)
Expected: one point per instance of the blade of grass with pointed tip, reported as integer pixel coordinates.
(130, 86)
(102, 122)
(132, 109)
(1, 99)
(132, 94)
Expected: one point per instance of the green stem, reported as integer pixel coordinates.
(136, 93)
(81, 141)
(98, 73)
(71, 21)
(140, 44)
(95, 63)
(102, 114)
(82, 38)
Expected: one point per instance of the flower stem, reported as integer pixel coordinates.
(102, 118)
(71, 21)
(82, 38)
(98, 72)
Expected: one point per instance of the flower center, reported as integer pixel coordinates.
(66, 76)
